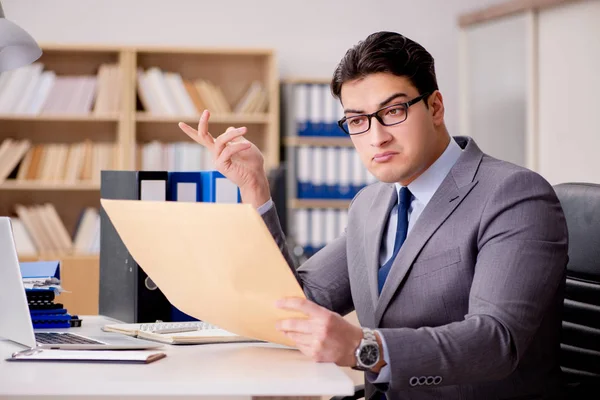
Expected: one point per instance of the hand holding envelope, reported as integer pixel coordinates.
(215, 262)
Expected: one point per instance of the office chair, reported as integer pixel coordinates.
(359, 393)
(580, 336)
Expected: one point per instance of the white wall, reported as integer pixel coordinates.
(569, 83)
(310, 36)
(496, 87)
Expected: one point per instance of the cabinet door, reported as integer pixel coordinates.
(569, 92)
(494, 73)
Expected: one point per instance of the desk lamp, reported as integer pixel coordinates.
(17, 47)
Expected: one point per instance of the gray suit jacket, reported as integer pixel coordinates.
(473, 299)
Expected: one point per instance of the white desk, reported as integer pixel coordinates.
(224, 371)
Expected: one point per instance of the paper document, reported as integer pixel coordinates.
(215, 262)
(87, 355)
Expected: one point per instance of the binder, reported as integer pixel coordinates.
(359, 175)
(317, 230)
(315, 117)
(339, 114)
(332, 189)
(300, 101)
(345, 184)
(301, 228)
(331, 227)
(318, 173)
(330, 127)
(126, 292)
(303, 174)
(218, 189)
(185, 186)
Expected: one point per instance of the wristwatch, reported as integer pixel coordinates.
(367, 353)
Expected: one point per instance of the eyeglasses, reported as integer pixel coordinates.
(387, 116)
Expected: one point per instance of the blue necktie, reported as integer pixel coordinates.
(401, 231)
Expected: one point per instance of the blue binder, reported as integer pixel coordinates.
(185, 186)
(218, 189)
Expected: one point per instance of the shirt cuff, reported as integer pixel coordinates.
(265, 207)
(385, 372)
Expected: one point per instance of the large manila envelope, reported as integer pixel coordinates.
(215, 262)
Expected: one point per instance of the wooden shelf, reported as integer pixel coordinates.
(128, 128)
(60, 117)
(48, 186)
(306, 81)
(324, 203)
(214, 118)
(61, 257)
(295, 141)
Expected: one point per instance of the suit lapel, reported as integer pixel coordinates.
(455, 187)
(376, 224)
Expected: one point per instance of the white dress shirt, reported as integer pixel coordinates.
(422, 190)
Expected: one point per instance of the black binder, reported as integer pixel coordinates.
(126, 292)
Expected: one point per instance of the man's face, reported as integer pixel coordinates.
(398, 153)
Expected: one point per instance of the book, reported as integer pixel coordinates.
(118, 356)
(178, 332)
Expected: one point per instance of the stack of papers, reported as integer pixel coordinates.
(41, 281)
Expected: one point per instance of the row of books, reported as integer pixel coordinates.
(167, 93)
(38, 230)
(315, 227)
(316, 111)
(178, 156)
(330, 173)
(64, 163)
(32, 91)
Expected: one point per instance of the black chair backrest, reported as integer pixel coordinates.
(580, 343)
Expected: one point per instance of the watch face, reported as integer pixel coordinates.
(369, 354)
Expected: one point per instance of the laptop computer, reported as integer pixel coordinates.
(15, 320)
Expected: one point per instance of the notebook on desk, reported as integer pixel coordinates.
(178, 332)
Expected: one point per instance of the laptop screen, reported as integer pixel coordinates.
(14, 313)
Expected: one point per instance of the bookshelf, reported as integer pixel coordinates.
(232, 72)
(319, 156)
(121, 119)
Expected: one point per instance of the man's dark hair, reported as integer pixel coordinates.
(387, 52)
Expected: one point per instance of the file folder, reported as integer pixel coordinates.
(126, 292)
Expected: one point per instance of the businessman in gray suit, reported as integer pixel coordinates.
(454, 261)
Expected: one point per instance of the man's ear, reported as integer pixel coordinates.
(436, 106)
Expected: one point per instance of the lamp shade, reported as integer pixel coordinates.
(17, 47)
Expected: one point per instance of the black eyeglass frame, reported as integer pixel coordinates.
(406, 105)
